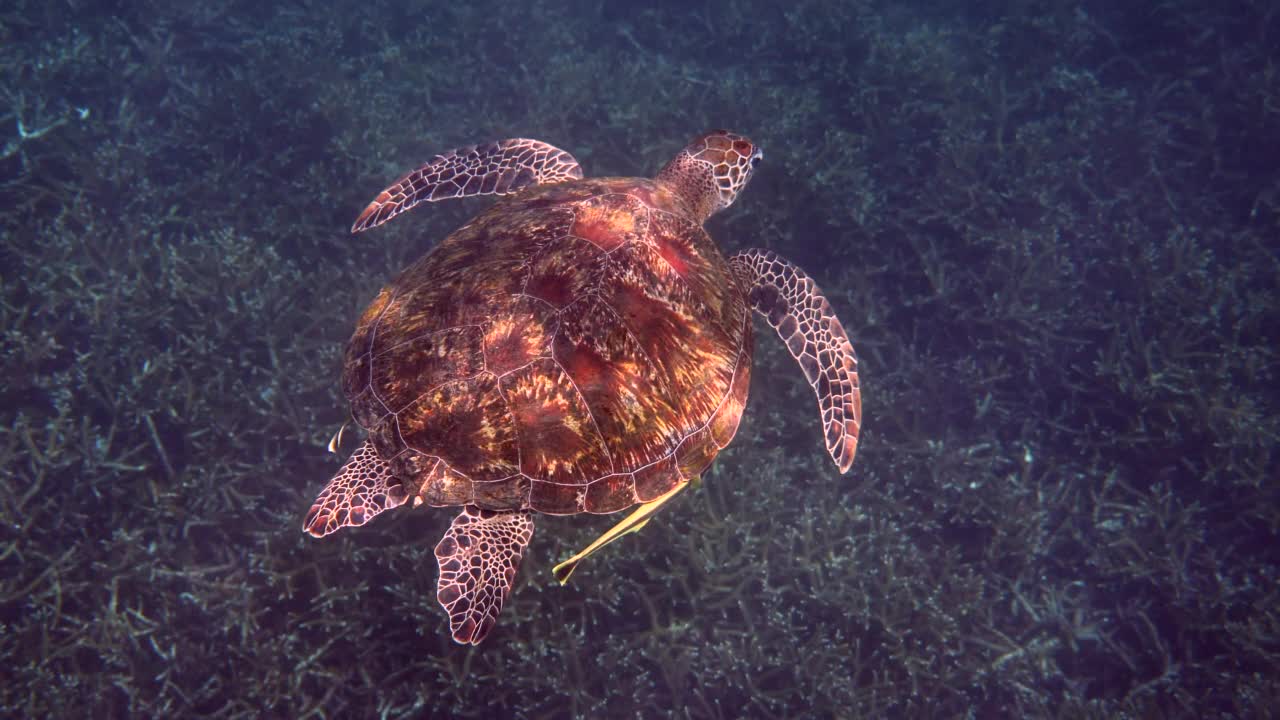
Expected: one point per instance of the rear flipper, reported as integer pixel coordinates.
(805, 321)
(479, 556)
(364, 487)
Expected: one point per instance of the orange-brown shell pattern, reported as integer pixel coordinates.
(580, 347)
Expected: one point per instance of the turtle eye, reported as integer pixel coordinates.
(755, 159)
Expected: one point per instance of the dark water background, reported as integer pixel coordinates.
(1051, 230)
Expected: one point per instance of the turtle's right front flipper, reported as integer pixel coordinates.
(496, 168)
(792, 303)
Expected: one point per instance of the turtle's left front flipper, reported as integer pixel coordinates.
(795, 307)
(479, 556)
(496, 168)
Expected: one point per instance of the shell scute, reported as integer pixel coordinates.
(692, 359)
(519, 336)
(504, 493)
(407, 367)
(559, 441)
(724, 424)
(440, 485)
(657, 478)
(366, 408)
(696, 452)
(564, 272)
(610, 221)
(362, 338)
(468, 422)
(610, 493)
(691, 256)
(556, 499)
(620, 385)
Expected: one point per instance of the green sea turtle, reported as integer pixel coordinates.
(582, 346)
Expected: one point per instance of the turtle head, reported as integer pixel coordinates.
(708, 174)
